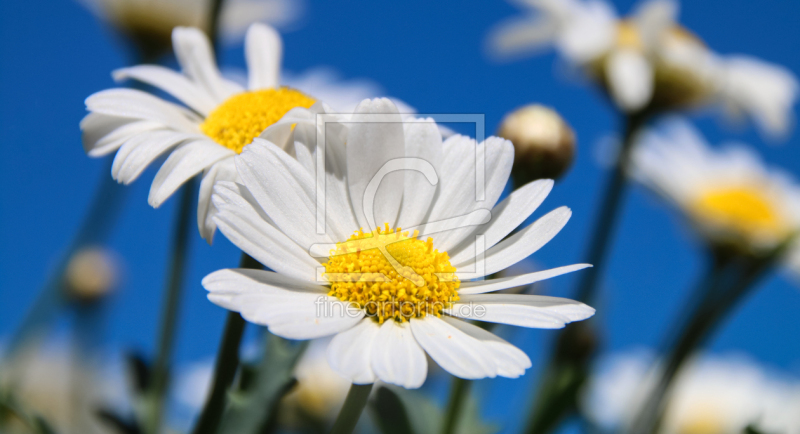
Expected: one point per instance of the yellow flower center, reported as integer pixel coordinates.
(743, 210)
(243, 117)
(391, 275)
(703, 423)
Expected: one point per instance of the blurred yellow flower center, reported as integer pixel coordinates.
(702, 424)
(628, 36)
(243, 117)
(391, 275)
(742, 209)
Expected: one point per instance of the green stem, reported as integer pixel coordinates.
(226, 365)
(726, 284)
(215, 14)
(567, 369)
(169, 314)
(459, 391)
(351, 410)
(609, 212)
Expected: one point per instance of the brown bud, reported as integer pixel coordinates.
(544, 145)
(92, 273)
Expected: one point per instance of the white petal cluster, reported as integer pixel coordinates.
(637, 56)
(141, 127)
(675, 161)
(712, 394)
(425, 183)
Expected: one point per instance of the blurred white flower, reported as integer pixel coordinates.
(711, 395)
(327, 85)
(66, 388)
(320, 391)
(649, 61)
(729, 194)
(149, 23)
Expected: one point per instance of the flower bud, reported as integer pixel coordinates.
(92, 273)
(544, 145)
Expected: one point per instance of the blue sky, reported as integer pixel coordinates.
(54, 54)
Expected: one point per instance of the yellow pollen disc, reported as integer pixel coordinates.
(744, 210)
(243, 117)
(392, 275)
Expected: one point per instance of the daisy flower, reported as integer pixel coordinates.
(712, 395)
(728, 194)
(219, 118)
(387, 296)
(149, 23)
(649, 61)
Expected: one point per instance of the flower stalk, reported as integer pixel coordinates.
(730, 278)
(459, 391)
(169, 316)
(351, 410)
(226, 365)
(568, 367)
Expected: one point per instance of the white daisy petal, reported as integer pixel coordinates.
(370, 146)
(238, 281)
(536, 311)
(506, 216)
(490, 285)
(182, 164)
(522, 244)
(263, 49)
(630, 79)
(511, 361)
(589, 31)
(296, 315)
(196, 57)
(423, 141)
(396, 356)
(223, 170)
(139, 151)
(243, 223)
(171, 82)
(135, 104)
(349, 352)
(103, 134)
(286, 192)
(458, 195)
(765, 91)
(521, 36)
(453, 350)
(653, 19)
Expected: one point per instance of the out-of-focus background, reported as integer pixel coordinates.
(54, 53)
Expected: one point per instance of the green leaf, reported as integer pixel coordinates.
(253, 406)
